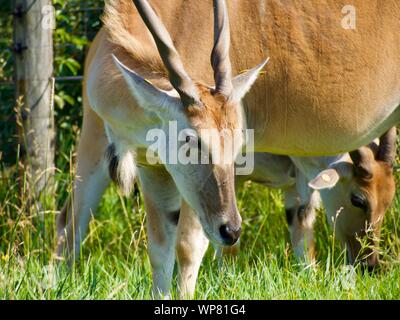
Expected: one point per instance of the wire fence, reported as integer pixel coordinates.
(77, 22)
(85, 24)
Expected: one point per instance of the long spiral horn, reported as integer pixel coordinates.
(178, 77)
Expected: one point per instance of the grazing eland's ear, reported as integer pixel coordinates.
(243, 82)
(147, 96)
(328, 178)
(362, 159)
(387, 147)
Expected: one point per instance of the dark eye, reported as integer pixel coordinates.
(359, 202)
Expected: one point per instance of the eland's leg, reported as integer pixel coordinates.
(300, 214)
(191, 245)
(162, 202)
(91, 179)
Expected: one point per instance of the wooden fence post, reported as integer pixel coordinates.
(33, 48)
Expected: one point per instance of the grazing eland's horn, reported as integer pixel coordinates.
(220, 60)
(362, 160)
(387, 147)
(178, 77)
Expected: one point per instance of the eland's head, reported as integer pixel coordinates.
(362, 190)
(208, 119)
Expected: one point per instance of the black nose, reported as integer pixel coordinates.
(229, 235)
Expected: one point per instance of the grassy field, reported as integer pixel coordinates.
(114, 263)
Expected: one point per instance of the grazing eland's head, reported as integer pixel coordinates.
(362, 191)
(198, 111)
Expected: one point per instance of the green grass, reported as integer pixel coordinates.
(114, 263)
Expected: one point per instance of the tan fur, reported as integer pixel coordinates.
(120, 25)
(215, 113)
(153, 221)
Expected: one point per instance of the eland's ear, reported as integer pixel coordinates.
(326, 179)
(243, 82)
(363, 159)
(146, 95)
